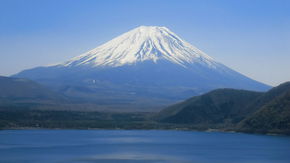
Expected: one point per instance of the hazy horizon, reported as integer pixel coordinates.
(254, 43)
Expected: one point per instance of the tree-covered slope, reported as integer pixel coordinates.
(237, 110)
(273, 117)
(216, 107)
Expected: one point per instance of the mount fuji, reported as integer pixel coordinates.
(147, 67)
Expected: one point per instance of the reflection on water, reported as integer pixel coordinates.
(89, 146)
(124, 140)
(130, 157)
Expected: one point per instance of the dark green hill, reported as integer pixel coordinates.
(272, 117)
(237, 110)
(267, 97)
(216, 107)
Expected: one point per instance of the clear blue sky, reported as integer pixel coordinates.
(250, 36)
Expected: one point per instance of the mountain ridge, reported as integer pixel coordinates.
(19, 90)
(234, 110)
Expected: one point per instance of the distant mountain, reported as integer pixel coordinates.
(239, 110)
(18, 90)
(148, 66)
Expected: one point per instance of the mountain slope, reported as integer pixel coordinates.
(268, 97)
(17, 90)
(143, 44)
(239, 110)
(273, 116)
(222, 106)
(145, 67)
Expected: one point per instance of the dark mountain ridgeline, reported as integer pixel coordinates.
(273, 116)
(236, 110)
(216, 107)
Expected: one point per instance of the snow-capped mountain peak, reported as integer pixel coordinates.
(142, 44)
(147, 67)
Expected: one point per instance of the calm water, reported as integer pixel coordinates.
(90, 146)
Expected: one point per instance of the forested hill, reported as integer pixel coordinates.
(238, 110)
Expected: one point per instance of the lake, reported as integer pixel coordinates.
(110, 146)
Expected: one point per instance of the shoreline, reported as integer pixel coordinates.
(153, 129)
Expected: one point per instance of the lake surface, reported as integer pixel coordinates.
(90, 146)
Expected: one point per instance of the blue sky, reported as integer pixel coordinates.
(250, 36)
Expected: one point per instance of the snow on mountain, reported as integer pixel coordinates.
(146, 67)
(142, 44)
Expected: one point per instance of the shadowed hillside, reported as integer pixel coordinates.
(17, 90)
(238, 110)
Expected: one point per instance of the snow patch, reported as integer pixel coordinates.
(142, 44)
